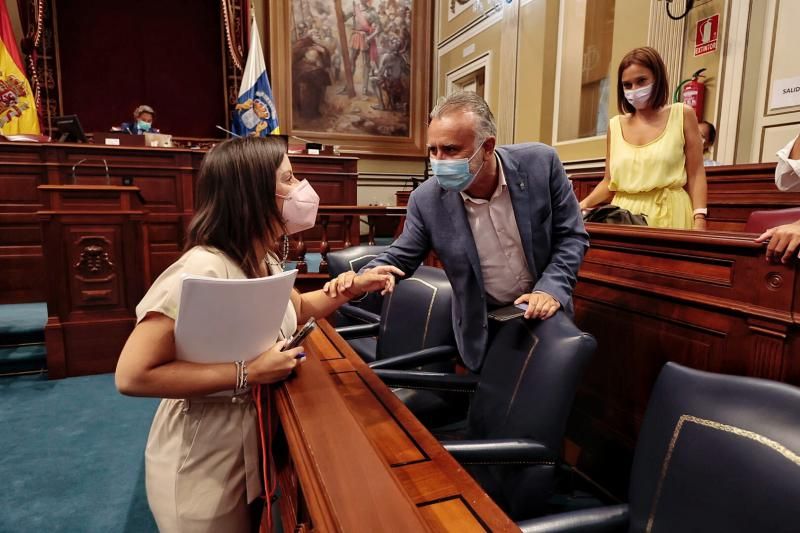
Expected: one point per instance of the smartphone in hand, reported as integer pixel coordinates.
(298, 338)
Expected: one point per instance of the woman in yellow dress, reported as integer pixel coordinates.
(654, 153)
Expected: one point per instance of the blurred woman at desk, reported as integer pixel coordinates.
(142, 123)
(653, 150)
(202, 459)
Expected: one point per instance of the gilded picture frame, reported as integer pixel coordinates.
(374, 97)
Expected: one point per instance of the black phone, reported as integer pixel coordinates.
(508, 312)
(298, 338)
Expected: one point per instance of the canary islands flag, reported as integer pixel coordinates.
(17, 105)
(255, 110)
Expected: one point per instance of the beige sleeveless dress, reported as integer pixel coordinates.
(202, 456)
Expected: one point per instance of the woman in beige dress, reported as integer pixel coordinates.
(202, 455)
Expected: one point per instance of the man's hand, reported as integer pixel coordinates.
(355, 285)
(540, 305)
(783, 241)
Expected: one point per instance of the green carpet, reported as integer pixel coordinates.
(72, 456)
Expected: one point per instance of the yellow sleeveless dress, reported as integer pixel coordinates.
(649, 178)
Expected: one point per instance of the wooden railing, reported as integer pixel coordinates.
(368, 214)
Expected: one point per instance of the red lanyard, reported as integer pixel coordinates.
(266, 452)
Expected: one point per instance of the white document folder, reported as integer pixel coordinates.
(224, 320)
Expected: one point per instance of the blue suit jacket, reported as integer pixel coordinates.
(550, 225)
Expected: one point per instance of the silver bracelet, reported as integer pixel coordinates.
(239, 376)
(244, 377)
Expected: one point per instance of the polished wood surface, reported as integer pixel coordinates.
(355, 459)
(707, 300)
(734, 191)
(165, 178)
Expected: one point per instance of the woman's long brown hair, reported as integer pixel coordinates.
(235, 203)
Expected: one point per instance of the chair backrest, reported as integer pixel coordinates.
(528, 380)
(717, 453)
(526, 388)
(417, 315)
(761, 221)
(355, 258)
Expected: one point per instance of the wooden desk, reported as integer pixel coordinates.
(707, 300)
(165, 177)
(734, 191)
(355, 459)
(93, 239)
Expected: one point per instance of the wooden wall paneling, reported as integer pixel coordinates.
(335, 178)
(94, 275)
(20, 233)
(166, 181)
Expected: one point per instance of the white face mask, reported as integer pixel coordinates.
(639, 98)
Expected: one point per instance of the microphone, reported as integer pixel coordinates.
(79, 163)
(522, 185)
(301, 139)
(229, 132)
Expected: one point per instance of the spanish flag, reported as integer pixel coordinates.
(17, 104)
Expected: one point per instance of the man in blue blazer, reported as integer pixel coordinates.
(503, 220)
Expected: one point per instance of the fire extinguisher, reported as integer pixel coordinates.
(694, 93)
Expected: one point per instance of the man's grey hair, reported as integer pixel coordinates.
(466, 101)
(143, 109)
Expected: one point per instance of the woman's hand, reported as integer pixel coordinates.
(354, 285)
(699, 223)
(273, 365)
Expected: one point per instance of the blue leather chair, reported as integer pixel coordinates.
(415, 331)
(355, 258)
(716, 453)
(518, 413)
(416, 317)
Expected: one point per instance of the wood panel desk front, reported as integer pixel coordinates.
(707, 300)
(734, 191)
(352, 458)
(165, 178)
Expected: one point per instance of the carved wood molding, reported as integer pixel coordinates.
(692, 298)
(94, 259)
(235, 19)
(38, 47)
(767, 346)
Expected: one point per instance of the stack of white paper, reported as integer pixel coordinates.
(223, 320)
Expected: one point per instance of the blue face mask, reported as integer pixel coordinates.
(142, 125)
(454, 174)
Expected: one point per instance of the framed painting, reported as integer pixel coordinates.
(353, 73)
